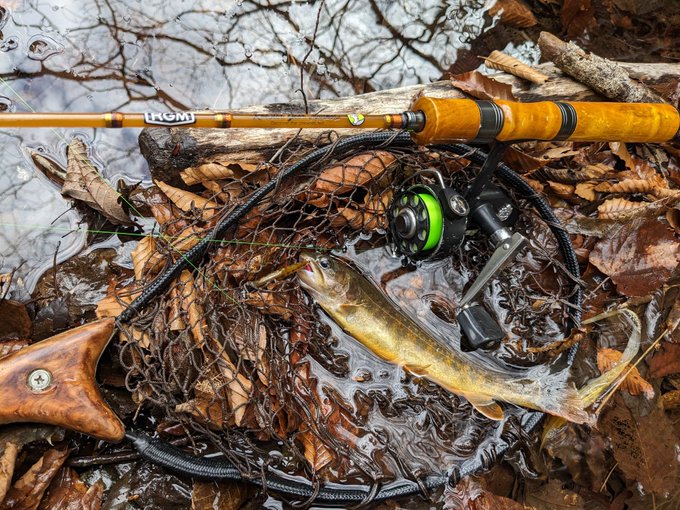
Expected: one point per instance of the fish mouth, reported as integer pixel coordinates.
(309, 276)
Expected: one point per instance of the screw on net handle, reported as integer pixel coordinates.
(449, 120)
(53, 382)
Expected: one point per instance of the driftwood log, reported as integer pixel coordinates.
(169, 150)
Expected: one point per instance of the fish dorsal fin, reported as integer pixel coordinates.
(488, 408)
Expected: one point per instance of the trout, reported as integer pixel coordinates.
(359, 307)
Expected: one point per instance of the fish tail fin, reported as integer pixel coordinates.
(559, 397)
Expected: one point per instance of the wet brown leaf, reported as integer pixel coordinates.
(481, 86)
(220, 496)
(14, 320)
(582, 451)
(141, 256)
(577, 16)
(68, 492)
(673, 219)
(187, 201)
(586, 190)
(666, 361)
(347, 175)
(643, 446)
(634, 383)
(316, 453)
(670, 400)
(620, 209)
(502, 62)
(192, 308)
(7, 461)
(514, 13)
(468, 494)
(28, 490)
(553, 495)
(214, 171)
(83, 182)
(639, 258)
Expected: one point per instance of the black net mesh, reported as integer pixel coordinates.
(243, 362)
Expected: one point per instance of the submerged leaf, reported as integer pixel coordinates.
(68, 492)
(316, 452)
(220, 495)
(666, 361)
(644, 447)
(639, 258)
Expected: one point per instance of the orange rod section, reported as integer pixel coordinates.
(191, 119)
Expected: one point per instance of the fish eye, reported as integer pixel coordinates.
(324, 263)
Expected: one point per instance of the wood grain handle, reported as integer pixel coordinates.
(452, 120)
(53, 382)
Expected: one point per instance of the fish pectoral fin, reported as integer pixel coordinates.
(419, 370)
(349, 308)
(488, 408)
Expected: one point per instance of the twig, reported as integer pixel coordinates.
(309, 52)
(600, 74)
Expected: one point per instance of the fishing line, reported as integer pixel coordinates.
(166, 237)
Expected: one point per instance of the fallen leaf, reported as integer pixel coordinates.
(670, 400)
(28, 490)
(554, 495)
(514, 13)
(15, 321)
(639, 258)
(343, 177)
(68, 492)
(502, 62)
(140, 258)
(7, 461)
(673, 219)
(577, 16)
(50, 168)
(482, 87)
(192, 308)
(187, 201)
(315, 451)
(83, 182)
(586, 190)
(468, 494)
(666, 361)
(583, 452)
(212, 171)
(562, 190)
(643, 446)
(220, 495)
(620, 208)
(634, 383)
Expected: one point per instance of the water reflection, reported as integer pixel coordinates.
(159, 55)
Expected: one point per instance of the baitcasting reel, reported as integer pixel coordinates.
(429, 221)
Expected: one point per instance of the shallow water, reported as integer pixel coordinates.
(78, 55)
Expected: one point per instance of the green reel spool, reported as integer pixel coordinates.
(417, 221)
(427, 221)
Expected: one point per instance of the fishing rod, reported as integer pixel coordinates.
(430, 120)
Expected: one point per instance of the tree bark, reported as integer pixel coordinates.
(602, 75)
(170, 150)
